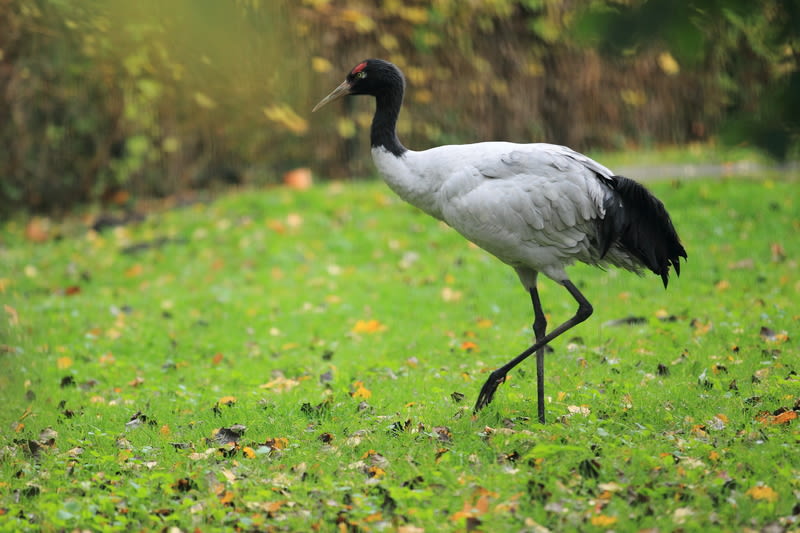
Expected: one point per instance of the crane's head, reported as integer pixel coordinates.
(372, 77)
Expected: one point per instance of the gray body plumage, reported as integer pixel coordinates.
(536, 207)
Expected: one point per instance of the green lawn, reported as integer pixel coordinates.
(349, 334)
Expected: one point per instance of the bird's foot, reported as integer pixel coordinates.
(488, 390)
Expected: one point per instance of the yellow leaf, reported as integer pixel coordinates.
(368, 326)
(762, 492)
(227, 400)
(204, 101)
(63, 362)
(450, 295)
(134, 271)
(124, 455)
(602, 520)
(165, 431)
(272, 507)
(633, 97)
(376, 472)
(320, 64)
(668, 63)
(13, 316)
(249, 452)
(278, 443)
(280, 384)
(286, 117)
(469, 346)
(360, 391)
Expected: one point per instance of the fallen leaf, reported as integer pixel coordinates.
(299, 179)
(358, 390)
(38, 229)
(280, 384)
(778, 253)
(744, 264)
(450, 295)
(602, 520)
(681, 514)
(63, 362)
(228, 435)
(763, 493)
(227, 400)
(277, 443)
(368, 326)
(579, 409)
(771, 335)
(699, 327)
(13, 316)
(226, 497)
(443, 433)
(484, 323)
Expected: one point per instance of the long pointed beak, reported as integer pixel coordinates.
(338, 92)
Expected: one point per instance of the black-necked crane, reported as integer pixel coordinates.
(536, 207)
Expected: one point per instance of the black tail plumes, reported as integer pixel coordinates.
(644, 229)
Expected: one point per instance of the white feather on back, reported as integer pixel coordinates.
(533, 206)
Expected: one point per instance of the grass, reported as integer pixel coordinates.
(350, 335)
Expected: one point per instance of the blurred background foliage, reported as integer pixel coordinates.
(107, 100)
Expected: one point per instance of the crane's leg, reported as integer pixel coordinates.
(539, 329)
(498, 376)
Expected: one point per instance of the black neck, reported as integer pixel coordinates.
(384, 123)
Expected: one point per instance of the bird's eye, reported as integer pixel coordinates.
(361, 75)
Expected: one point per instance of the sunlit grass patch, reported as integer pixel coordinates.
(295, 360)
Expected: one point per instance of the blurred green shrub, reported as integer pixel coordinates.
(153, 97)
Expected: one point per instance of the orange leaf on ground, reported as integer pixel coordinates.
(360, 391)
(602, 520)
(368, 326)
(785, 417)
(63, 362)
(217, 359)
(134, 271)
(13, 316)
(227, 400)
(278, 443)
(762, 492)
(38, 229)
